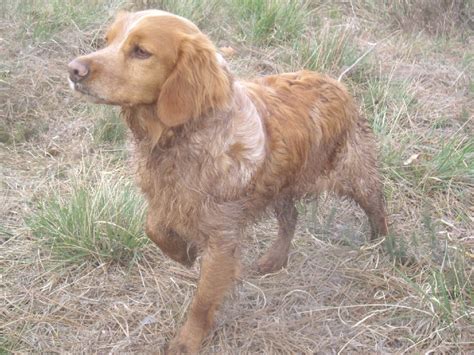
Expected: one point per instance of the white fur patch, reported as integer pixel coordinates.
(71, 84)
(220, 59)
(249, 130)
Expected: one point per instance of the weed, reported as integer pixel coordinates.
(21, 132)
(439, 18)
(396, 248)
(100, 220)
(451, 166)
(328, 50)
(388, 102)
(448, 287)
(448, 168)
(198, 11)
(388, 105)
(269, 22)
(109, 127)
(44, 18)
(6, 346)
(446, 282)
(5, 136)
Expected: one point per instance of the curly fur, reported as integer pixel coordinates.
(213, 153)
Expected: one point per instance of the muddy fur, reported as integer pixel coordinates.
(214, 153)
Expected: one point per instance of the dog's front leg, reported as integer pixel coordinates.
(219, 269)
(171, 243)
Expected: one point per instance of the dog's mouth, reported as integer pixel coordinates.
(87, 93)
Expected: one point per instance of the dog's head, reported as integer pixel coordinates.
(154, 57)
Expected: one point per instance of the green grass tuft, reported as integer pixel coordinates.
(326, 51)
(100, 220)
(448, 168)
(387, 102)
(109, 128)
(198, 11)
(451, 166)
(448, 288)
(269, 22)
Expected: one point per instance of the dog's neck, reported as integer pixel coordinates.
(149, 131)
(143, 123)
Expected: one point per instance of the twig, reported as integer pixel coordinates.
(357, 61)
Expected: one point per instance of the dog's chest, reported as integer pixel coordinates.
(179, 181)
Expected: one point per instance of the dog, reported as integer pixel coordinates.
(213, 153)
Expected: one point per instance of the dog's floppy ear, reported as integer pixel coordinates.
(197, 84)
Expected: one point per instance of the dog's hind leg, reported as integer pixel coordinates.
(358, 178)
(276, 256)
(372, 202)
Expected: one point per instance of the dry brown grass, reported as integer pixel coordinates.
(338, 294)
(331, 297)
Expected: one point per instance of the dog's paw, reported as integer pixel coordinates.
(271, 262)
(177, 348)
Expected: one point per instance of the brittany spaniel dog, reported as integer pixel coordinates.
(213, 153)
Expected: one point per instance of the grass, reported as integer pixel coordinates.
(45, 18)
(446, 288)
(270, 22)
(439, 18)
(100, 221)
(198, 11)
(388, 102)
(447, 168)
(328, 50)
(445, 283)
(109, 127)
(452, 165)
(77, 272)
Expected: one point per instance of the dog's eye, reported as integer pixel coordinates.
(140, 53)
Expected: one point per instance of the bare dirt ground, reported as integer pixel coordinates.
(410, 293)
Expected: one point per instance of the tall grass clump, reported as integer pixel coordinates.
(269, 22)
(388, 103)
(99, 220)
(452, 165)
(327, 50)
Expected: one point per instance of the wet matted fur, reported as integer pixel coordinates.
(213, 153)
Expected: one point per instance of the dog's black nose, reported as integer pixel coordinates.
(78, 70)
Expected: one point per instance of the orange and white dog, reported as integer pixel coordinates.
(213, 152)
